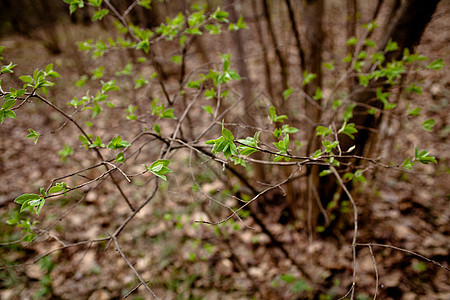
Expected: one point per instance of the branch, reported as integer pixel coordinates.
(132, 268)
(406, 251)
(355, 230)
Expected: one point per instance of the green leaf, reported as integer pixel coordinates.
(109, 86)
(414, 89)
(160, 168)
(329, 66)
(348, 58)
(96, 3)
(8, 68)
(423, 156)
(100, 14)
(145, 3)
(176, 59)
(408, 163)
(65, 152)
(120, 157)
(351, 41)
(287, 93)
(391, 46)
(414, 111)
(58, 187)
(26, 197)
(325, 173)
(437, 64)
(370, 26)
(26, 78)
(9, 114)
(300, 286)
(323, 131)
(117, 143)
(8, 104)
(318, 94)
(349, 129)
(308, 77)
(369, 43)
(144, 45)
(33, 135)
(273, 116)
(428, 125)
(288, 278)
(208, 109)
(220, 15)
(227, 134)
(157, 129)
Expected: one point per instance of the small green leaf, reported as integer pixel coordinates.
(288, 278)
(33, 135)
(160, 168)
(325, 173)
(26, 78)
(308, 77)
(227, 134)
(157, 129)
(318, 94)
(391, 46)
(208, 109)
(8, 104)
(100, 14)
(25, 198)
(323, 131)
(428, 125)
(349, 129)
(437, 64)
(414, 111)
(351, 41)
(329, 66)
(120, 157)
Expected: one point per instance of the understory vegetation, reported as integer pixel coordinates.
(224, 149)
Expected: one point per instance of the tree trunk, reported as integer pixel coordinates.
(406, 29)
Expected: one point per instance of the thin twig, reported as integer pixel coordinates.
(406, 251)
(251, 200)
(376, 272)
(54, 250)
(355, 228)
(116, 167)
(132, 268)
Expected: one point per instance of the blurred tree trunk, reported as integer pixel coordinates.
(313, 11)
(406, 29)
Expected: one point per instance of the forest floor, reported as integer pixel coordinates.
(186, 260)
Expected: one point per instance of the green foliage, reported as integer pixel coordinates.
(348, 129)
(74, 5)
(437, 64)
(224, 143)
(323, 131)
(308, 77)
(422, 157)
(117, 143)
(33, 135)
(366, 65)
(428, 125)
(31, 202)
(285, 129)
(65, 152)
(160, 168)
(58, 188)
(160, 110)
(274, 118)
